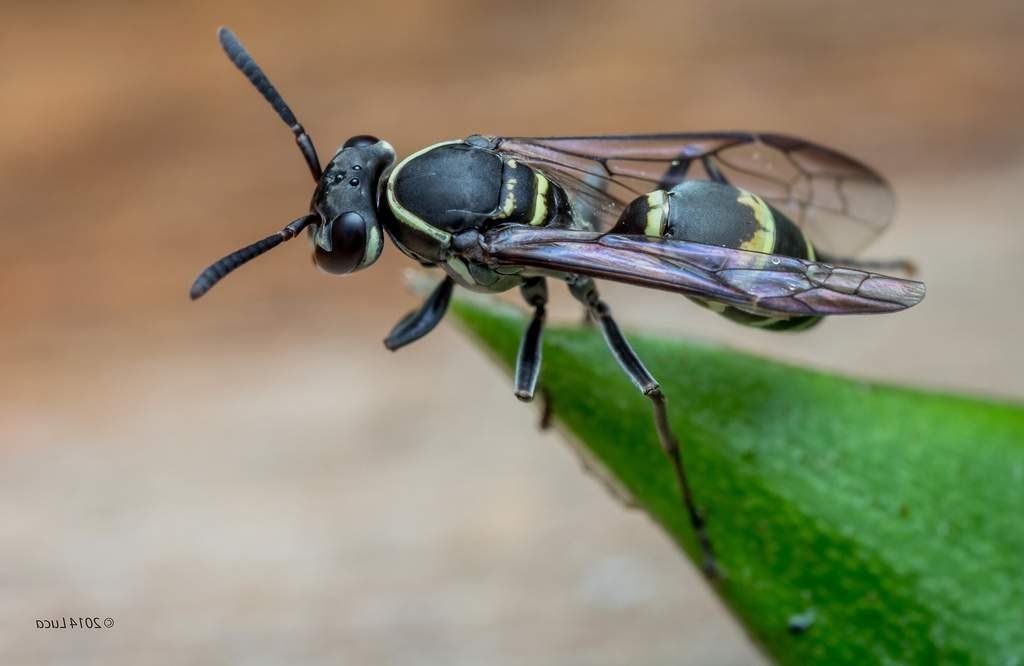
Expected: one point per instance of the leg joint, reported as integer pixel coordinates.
(535, 292)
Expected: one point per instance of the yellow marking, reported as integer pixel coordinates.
(810, 249)
(763, 239)
(803, 326)
(458, 266)
(540, 199)
(657, 212)
(510, 200)
(374, 245)
(764, 323)
(715, 306)
(512, 164)
(404, 215)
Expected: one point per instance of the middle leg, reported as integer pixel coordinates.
(528, 361)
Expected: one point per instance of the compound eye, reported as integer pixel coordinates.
(361, 140)
(348, 241)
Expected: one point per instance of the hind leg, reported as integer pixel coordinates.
(585, 291)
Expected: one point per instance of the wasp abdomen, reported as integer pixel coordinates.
(715, 214)
(718, 214)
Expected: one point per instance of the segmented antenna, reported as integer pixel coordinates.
(216, 271)
(244, 62)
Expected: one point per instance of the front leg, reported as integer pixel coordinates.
(528, 361)
(585, 291)
(418, 323)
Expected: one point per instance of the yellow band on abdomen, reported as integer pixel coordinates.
(540, 199)
(657, 212)
(763, 239)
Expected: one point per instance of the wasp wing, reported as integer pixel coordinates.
(765, 284)
(840, 203)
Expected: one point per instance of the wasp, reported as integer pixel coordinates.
(750, 225)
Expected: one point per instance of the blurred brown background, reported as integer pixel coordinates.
(253, 478)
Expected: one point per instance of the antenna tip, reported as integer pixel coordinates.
(226, 37)
(197, 290)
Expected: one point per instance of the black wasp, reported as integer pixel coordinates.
(744, 224)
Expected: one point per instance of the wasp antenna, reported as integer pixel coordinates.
(216, 271)
(244, 62)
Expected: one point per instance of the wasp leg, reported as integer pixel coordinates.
(585, 291)
(535, 292)
(545, 410)
(418, 323)
(905, 266)
(713, 173)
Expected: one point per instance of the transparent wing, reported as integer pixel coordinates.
(841, 204)
(755, 282)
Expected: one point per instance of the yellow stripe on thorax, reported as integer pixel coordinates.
(404, 215)
(509, 206)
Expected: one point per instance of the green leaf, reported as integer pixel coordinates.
(887, 521)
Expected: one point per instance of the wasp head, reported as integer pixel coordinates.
(348, 236)
(342, 221)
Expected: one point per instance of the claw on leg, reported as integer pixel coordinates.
(545, 411)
